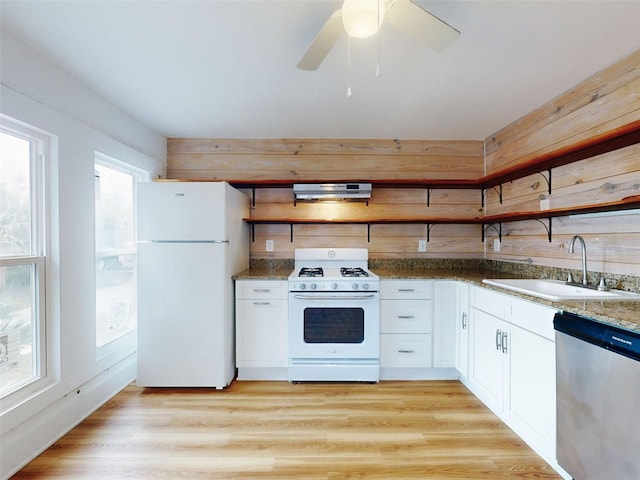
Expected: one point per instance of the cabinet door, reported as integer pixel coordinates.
(532, 399)
(445, 311)
(462, 322)
(490, 337)
(261, 336)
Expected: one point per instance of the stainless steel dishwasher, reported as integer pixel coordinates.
(598, 399)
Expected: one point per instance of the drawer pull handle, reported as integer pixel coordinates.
(406, 289)
(262, 290)
(406, 351)
(262, 303)
(406, 317)
(464, 321)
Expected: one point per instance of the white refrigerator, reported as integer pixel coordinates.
(191, 240)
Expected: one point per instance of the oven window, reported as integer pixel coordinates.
(333, 325)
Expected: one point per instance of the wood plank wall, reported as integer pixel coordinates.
(601, 103)
(316, 160)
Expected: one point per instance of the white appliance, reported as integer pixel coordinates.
(191, 240)
(334, 316)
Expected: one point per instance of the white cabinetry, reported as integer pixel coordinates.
(450, 325)
(261, 329)
(513, 365)
(463, 326)
(532, 380)
(406, 327)
(489, 371)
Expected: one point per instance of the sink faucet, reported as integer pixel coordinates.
(584, 255)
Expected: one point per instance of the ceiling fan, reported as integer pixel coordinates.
(363, 18)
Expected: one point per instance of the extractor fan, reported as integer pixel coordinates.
(363, 18)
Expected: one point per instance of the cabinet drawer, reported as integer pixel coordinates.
(405, 316)
(405, 289)
(261, 289)
(405, 350)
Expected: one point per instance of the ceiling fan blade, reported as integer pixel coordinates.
(417, 22)
(323, 43)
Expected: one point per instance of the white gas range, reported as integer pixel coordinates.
(334, 316)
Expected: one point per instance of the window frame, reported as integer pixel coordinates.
(137, 175)
(40, 157)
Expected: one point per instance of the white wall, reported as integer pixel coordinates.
(40, 94)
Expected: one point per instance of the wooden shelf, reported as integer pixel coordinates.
(626, 203)
(607, 142)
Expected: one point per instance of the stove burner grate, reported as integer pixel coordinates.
(353, 272)
(311, 272)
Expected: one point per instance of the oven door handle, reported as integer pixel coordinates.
(332, 297)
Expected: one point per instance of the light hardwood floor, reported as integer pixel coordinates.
(419, 430)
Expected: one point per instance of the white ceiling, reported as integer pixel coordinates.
(228, 68)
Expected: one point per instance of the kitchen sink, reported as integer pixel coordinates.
(557, 290)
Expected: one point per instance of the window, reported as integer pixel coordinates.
(115, 250)
(22, 260)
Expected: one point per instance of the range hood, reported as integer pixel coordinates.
(331, 191)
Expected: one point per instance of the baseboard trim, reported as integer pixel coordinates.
(33, 436)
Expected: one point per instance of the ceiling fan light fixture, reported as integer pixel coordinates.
(362, 18)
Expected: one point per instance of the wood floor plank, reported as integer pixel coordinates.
(409, 430)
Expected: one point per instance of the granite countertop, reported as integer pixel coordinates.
(624, 314)
(281, 273)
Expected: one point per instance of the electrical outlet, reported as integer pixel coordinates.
(422, 245)
(496, 245)
(544, 204)
(269, 245)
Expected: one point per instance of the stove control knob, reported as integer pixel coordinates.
(303, 286)
(334, 286)
(313, 286)
(354, 286)
(365, 286)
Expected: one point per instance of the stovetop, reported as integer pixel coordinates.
(329, 269)
(345, 272)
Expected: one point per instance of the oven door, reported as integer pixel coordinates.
(334, 325)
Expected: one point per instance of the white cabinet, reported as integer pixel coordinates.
(261, 329)
(532, 380)
(489, 372)
(463, 326)
(406, 327)
(489, 347)
(513, 365)
(449, 310)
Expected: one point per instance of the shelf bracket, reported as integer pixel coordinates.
(253, 232)
(429, 189)
(547, 179)
(291, 232)
(368, 233)
(253, 197)
(547, 227)
(498, 230)
(429, 227)
(498, 190)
